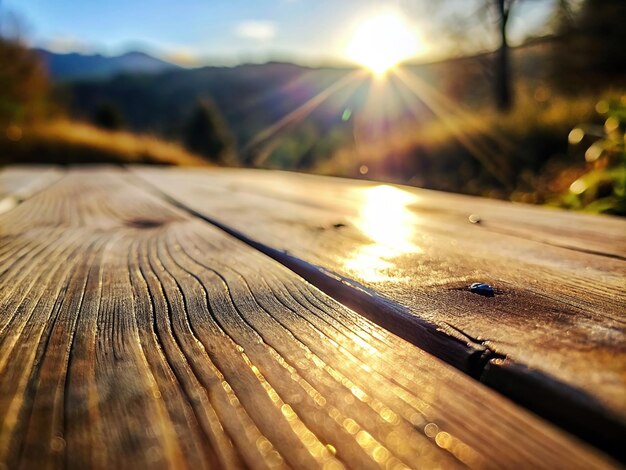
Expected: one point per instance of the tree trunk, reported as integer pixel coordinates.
(504, 96)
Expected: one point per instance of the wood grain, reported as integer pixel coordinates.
(135, 335)
(558, 312)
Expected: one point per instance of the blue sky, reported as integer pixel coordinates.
(233, 31)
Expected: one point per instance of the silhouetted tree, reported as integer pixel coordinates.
(503, 87)
(501, 66)
(108, 116)
(206, 133)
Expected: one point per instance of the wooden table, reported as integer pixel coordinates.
(158, 318)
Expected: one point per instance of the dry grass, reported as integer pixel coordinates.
(435, 153)
(64, 141)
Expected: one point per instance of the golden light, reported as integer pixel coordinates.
(383, 41)
(386, 219)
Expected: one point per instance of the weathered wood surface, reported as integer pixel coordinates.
(558, 318)
(584, 232)
(135, 335)
(18, 183)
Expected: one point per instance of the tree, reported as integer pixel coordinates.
(503, 80)
(108, 116)
(503, 87)
(601, 31)
(23, 83)
(501, 66)
(591, 48)
(206, 133)
(23, 79)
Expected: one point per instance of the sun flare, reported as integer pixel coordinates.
(383, 41)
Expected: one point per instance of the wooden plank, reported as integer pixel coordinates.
(132, 334)
(585, 232)
(558, 313)
(19, 182)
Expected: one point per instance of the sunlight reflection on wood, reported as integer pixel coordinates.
(384, 217)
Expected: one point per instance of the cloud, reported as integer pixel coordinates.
(258, 30)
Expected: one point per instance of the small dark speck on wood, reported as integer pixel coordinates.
(482, 289)
(338, 225)
(145, 223)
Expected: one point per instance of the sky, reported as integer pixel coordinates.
(195, 32)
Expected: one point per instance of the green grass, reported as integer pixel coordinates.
(602, 185)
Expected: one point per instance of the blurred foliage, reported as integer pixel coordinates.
(69, 142)
(108, 116)
(23, 84)
(602, 185)
(590, 50)
(29, 132)
(248, 97)
(205, 133)
(521, 144)
(601, 34)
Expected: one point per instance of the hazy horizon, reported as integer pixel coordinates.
(191, 33)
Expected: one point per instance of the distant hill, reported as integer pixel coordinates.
(74, 66)
(251, 97)
(255, 98)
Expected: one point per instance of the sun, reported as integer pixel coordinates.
(383, 41)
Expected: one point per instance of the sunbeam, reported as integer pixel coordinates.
(310, 78)
(470, 119)
(303, 110)
(381, 110)
(482, 151)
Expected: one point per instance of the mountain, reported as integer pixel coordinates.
(279, 100)
(251, 97)
(74, 66)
